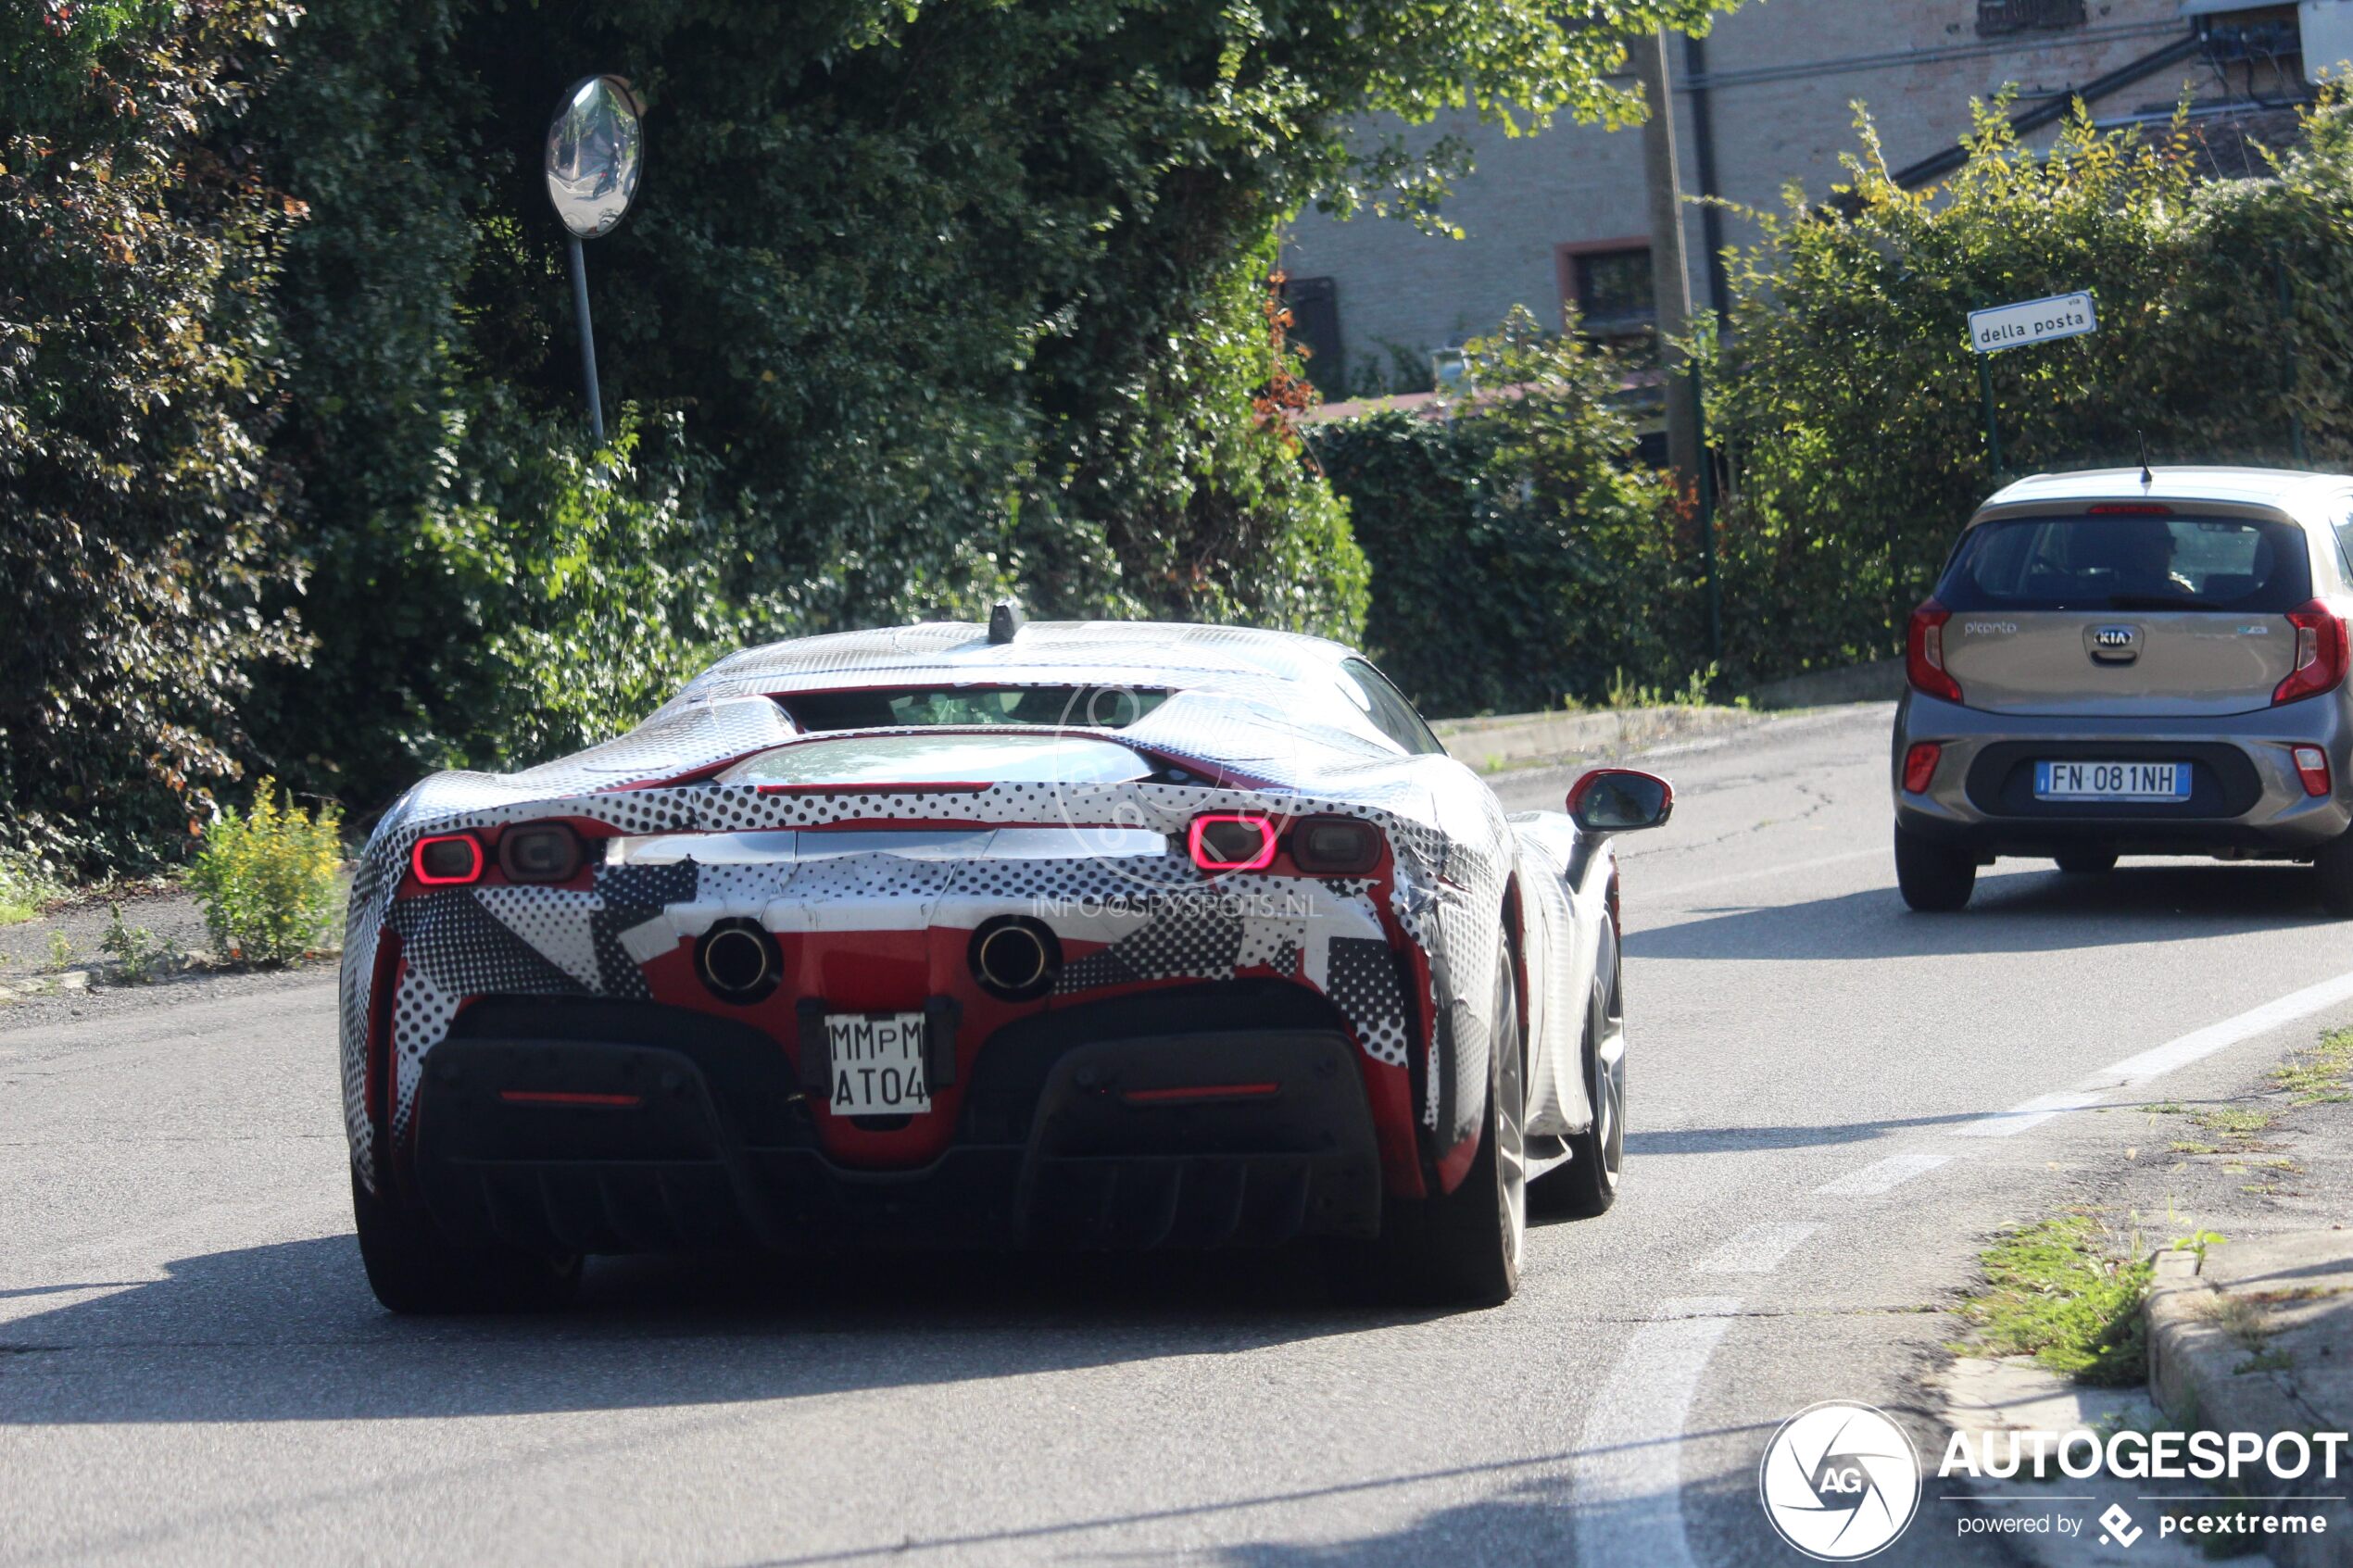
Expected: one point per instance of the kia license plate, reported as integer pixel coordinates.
(2112, 781)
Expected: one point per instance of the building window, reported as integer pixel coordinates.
(1611, 288)
(1314, 303)
(1995, 17)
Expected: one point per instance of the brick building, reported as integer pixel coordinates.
(1559, 216)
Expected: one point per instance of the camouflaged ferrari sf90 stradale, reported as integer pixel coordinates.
(1095, 935)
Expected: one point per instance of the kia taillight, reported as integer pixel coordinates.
(1924, 652)
(2320, 652)
(1231, 842)
(451, 860)
(1920, 766)
(2312, 768)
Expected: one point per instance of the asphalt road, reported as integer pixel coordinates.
(192, 1368)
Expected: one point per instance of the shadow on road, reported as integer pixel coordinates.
(2015, 911)
(1742, 1140)
(289, 1332)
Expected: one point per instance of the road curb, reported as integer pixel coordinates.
(2202, 1375)
(1520, 740)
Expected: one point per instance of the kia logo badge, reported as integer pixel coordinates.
(2114, 644)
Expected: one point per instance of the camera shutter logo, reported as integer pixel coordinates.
(1840, 1481)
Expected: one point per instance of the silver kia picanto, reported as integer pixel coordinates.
(2132, 662)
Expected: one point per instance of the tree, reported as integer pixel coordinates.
(141, 511)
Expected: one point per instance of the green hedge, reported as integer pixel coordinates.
(1849, 403)
(1521, 558)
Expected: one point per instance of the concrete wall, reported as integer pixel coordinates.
(1781, 75)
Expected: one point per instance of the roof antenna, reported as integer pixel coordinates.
(2147, 478)
(1005, 618)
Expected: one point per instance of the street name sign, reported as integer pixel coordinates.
(2031, 321)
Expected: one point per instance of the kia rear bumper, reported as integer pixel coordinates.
(2247, 796)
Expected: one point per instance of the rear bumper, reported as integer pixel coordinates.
(2246, 798)
(1231, 1138)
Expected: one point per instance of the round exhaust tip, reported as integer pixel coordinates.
(739, 961)
(1015, 958)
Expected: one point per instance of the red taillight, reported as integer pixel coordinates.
(2129, 508)
(1229, 842)
(1924, 652)
(2320, 652)
(1920, 766)
(1335, 846)
(449, 860)
(2312, 767)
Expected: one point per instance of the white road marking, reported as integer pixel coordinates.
(2157, 1060)
(1884, 1175)
(1629, 1478)
(1759, 1250)
(2033, 1113)
(2201, 1043)
(1792, 867)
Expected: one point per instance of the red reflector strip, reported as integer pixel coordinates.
(570, 1097)
(1198, 1091)
(965, 786)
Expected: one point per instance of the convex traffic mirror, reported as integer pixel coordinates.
(596, 150)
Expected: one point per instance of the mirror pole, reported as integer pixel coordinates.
(588, 340)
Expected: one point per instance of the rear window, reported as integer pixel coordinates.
(2129, 561)
(931, 760)
(962, 708)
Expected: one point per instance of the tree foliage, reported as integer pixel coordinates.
(1521, 555)
(142, 513)
(1849, 396)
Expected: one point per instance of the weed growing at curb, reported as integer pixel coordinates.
(2062, 1291)
(2318, 1074)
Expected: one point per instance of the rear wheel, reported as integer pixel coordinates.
(2086, 862)
(1588, 1185)
(1463, 1248)
(413, 1268)
(1933, 875)
(2333, 866)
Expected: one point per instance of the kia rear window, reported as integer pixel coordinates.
(2129, 561)
(1012, 757)
(963, 707)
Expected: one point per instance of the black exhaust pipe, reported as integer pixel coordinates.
(739, 961)
(1015, 958)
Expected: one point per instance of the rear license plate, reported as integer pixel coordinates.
(877, 1063)
(2111, 781)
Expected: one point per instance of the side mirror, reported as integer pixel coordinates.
(1607, 801)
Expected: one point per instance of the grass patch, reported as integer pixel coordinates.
(2225, 1123)
(25, 888)
(2062, 1291)
(2318, 1074)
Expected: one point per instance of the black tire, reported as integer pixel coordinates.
(2333, 866)
(413, 1269)
(1588, 1185)
(1934, 877)
(1463, 1248)
(2086, 862)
